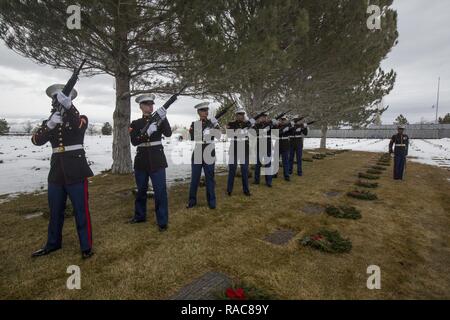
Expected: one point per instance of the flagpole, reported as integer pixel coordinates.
(437, 102)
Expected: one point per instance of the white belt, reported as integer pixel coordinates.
(68, 148)
(204, 142)
(400, 145)
(298, 136)
(285, 138)
(150, 144)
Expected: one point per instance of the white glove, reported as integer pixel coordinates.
(214, 121)
(162, 112)
(286, 129)
(305, 125)
(275, 122)
(54, 120)
(252, 121)
(152, 129)
(66, 102)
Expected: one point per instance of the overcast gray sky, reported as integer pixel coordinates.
(423, 54)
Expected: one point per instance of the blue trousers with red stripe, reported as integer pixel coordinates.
(57, 198)
(160, 189)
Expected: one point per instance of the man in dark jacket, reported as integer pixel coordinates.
(400, 152)
(69, 171)
(150, 161)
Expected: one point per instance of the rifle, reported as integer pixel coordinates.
(281, 115)
(225, 111)
(221, 114)
(299, 119)
(155, 116)
(57, 107)
(259, 115)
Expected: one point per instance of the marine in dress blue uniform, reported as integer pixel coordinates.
(200, 163)
(263, 129)
(68, 174)
(284, 145)
(400, 151)
(298, 132)
(150, 162)
(239, 153)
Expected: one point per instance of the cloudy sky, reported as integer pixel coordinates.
(422, 55)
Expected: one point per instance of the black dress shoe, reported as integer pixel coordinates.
(256, 183)
(163, 228)
(135, 221)
(43, 252)
(190, 206)
(287, 179)
(87, 254)
(212, 207)
(247, 194)
(229, 194)
(269, 185)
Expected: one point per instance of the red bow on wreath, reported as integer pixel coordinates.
(238, 294)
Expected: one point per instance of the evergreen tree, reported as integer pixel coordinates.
(133, 41)
(4, 129)
(340, 81)
(240, 48)
(107, 129)
(445, 119)
(401, 120)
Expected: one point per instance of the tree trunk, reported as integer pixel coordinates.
(121, 139)
(323, 139)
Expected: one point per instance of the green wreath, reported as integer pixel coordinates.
(327, 241)
(362, 195)
(364, 184)
(368, 176)
(343, 212)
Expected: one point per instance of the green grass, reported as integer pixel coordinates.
(405, 233)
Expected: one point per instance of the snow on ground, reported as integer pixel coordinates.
(24, 167)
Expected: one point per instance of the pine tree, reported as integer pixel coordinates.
(4, 129)
(401, 120)
(107, 129)
(240, 48)
(445, 119)
(339, 76)
(133, 41)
